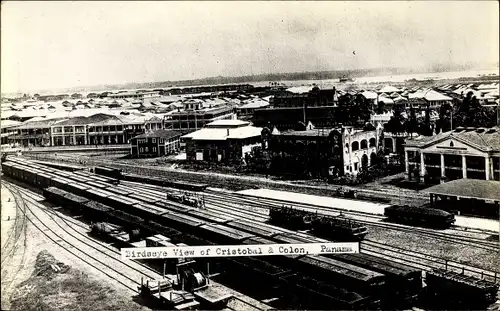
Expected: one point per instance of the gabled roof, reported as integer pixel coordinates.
(481, 138)
(369, 95)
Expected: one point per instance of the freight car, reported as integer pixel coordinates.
(183, 198)
(404, 283)
(340, 229)
(430, 217)
(175, 217)
(337, 228)
(109, 172)
(114, 233)
(288, 217)
(454, 289)
(60, 166)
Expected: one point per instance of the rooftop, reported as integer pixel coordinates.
(486, 139)
(469, 188)
(309, 133)
(389, 89)
(225, 133)
(227, 123)
(160, 134)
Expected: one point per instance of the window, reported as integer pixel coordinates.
(147, 149)
(141, 150)
(154, 149)
(364, 144)
(355, 146)
(355, 166)
(154, 140)
(162, 140)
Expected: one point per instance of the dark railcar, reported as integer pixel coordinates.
(456, 289)
(420, 215)
(109, 172)
(404, 283)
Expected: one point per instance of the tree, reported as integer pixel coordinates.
(364, 108)
(380, 107)
(395, 124)
(444, 122)
(343, 111)
(470, 113)
(411, 125)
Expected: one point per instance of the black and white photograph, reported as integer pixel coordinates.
(250, 155)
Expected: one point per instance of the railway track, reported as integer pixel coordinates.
(235, 303)
(16, 236)
(263, 205)
(114, 272)
(455, 238)
(195, 176)
(233, 208)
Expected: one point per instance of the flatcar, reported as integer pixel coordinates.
(340, 229)
(337, 228)
(185, 199)
(420, 215)
(288, 217)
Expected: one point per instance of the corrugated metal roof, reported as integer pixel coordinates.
(160, 134)
(224, 133)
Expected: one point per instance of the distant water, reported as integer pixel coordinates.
(374, 79)
(395, 78)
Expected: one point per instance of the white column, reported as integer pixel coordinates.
(464, 166)
(63, 136)
(422, 165)
(393, 144)
(443, 172)
(74, 135)
(52, 136)
(407, 164)
(487, 167)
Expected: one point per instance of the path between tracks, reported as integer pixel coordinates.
(23, 263)
(241, 182)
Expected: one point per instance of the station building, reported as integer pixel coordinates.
(222, 141)
(468, 197)
(472, 153)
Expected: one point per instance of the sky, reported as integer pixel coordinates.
(60, 44)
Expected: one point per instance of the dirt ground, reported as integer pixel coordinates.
(20, 266)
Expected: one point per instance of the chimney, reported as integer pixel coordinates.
(227, 132)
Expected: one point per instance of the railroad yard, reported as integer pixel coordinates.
(84, 215)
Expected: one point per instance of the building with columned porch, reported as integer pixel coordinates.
(472, 153)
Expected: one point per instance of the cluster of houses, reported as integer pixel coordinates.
(224, 124)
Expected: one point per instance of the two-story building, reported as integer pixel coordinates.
(222, 141)
(338, 151)
(299, 105)
(472, 153)
(155, 144)
(197, 113)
